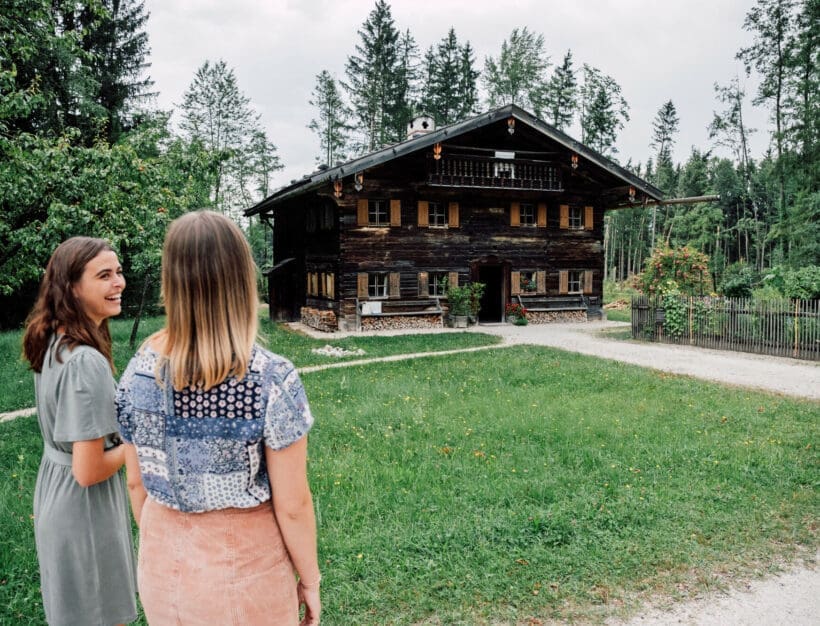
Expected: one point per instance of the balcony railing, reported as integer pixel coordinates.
(468, 171)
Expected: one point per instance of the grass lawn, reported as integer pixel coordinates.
(503, 485)
(17, 383)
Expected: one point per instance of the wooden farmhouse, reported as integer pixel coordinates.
(503, 199)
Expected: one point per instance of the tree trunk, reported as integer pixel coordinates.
(135, 328)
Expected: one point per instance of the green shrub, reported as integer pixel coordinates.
(738, 280)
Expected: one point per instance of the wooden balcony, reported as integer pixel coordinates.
(493, 173)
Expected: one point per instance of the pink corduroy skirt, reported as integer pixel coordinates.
(227, 567)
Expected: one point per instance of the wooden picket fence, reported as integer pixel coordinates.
(788, 328)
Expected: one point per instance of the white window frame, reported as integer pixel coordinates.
(575, 281)
(376, 210)
(527, 275)
(378, 285)
(436, 215)
(576, 218)
(434, 280)
(526, 214)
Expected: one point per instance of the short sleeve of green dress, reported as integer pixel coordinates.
(83, 534)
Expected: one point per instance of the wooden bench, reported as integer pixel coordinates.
(397, 308)
(537, 304)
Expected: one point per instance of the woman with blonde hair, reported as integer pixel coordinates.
(216, 447)
(81, 526)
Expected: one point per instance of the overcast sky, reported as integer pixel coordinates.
(656, 50)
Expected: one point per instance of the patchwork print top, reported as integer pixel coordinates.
(202, 450)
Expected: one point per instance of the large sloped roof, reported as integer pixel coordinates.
(372, 159)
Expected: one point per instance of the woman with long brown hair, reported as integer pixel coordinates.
(216, 447)
(81, 525)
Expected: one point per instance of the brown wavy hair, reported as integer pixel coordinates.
(211, 301)
(56, 305)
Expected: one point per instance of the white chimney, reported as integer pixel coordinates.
(420, 125)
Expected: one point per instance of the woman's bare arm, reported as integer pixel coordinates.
(293, 507)
(136, 490)
(91, 463)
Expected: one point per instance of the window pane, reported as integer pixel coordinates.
(437, 283)
(575, 217)
(377, 285)
(527, 214)
(377, 212)
(436, 214)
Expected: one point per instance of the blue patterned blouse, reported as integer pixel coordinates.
(202, 450)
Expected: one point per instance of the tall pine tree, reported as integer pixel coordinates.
(332, 124)
(562, 94)
(377, 81)
(603, 111)
(449, 92)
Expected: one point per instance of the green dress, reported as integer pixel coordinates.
(83, 534)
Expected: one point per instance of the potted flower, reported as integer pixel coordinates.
(516, 313)
(458, 302)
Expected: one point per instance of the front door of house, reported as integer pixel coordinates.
(492, 302)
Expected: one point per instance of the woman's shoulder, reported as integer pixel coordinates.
(275, 365)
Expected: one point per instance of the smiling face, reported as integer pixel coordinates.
(99, 289)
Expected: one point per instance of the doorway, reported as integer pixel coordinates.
(492, 302)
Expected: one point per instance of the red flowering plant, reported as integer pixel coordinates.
(688, 268)
(516, 312)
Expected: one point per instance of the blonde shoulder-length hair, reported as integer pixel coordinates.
(210, 297)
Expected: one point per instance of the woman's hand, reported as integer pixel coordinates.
(309, 597)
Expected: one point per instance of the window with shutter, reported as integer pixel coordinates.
(423, 217)
(453, 215)
(395, 284)
(362, 285)
(515, 283)
(541, 281)
(395, 212)
(588, 217)
(515, 214)
(563, 281)
(423, 284)
(361, 212)
(564, 216)
(587, 281)
(542, 215)
(453, 279)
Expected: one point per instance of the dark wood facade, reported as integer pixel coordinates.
(518, 211)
